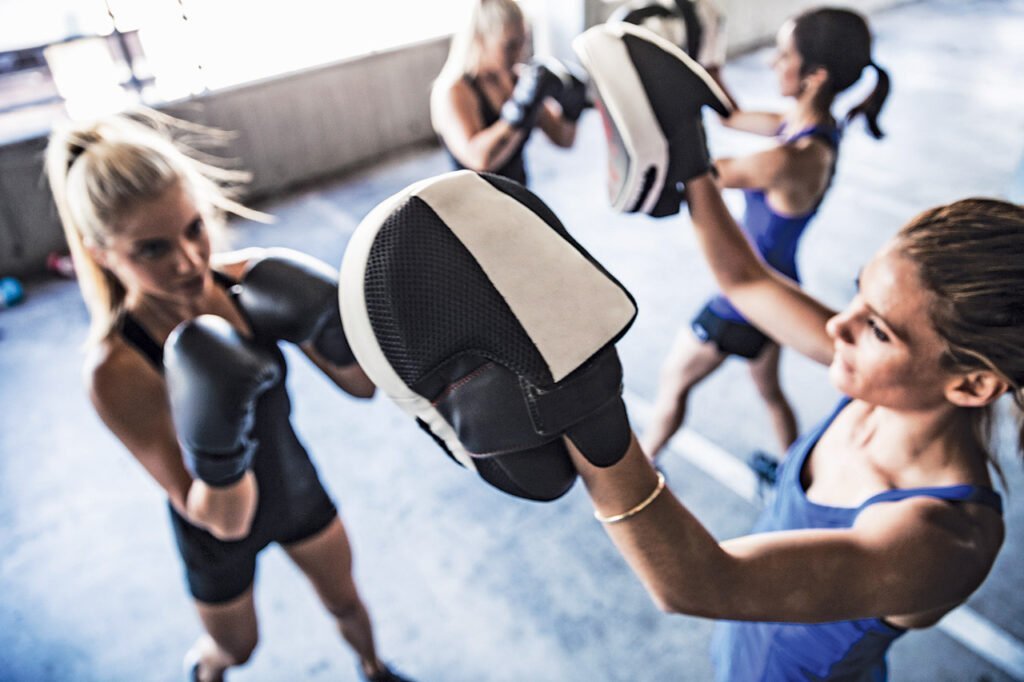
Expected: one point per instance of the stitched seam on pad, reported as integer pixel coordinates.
(462, 382)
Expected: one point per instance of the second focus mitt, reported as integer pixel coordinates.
(469, 304)
(650, 95)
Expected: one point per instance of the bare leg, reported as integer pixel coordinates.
(231, 637)
(326, 559)
(765, 371)
(687, 364)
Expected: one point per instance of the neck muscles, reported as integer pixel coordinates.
(927, 438)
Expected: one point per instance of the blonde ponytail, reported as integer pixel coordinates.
(100, 170)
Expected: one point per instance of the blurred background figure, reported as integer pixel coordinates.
(819, 54)
(487, 100)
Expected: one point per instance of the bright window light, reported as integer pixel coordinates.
(186, 47)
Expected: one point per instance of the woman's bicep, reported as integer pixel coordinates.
(761, 170)
(757, 122)
(897, 564)
(894, 561)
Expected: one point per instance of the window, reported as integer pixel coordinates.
(94, 56)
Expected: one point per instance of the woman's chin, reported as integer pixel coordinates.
(839, 377)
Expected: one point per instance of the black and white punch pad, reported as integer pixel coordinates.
(468, 303)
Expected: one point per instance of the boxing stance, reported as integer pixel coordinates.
(885, 517)
(485, 103)
(820, 53)
(184, 368)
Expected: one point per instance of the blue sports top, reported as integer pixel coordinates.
(850, 651)
(775, 235)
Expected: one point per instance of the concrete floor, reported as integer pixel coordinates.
(463, 582)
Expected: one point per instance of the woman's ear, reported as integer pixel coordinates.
(97, 253)
(976, 388)
(815, 79)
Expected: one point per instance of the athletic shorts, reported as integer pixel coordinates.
(731, 337)
(219, 570)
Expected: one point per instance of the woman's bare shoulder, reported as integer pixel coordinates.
(114, 368)
(964, 535)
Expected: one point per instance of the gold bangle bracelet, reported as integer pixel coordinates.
(638, 508)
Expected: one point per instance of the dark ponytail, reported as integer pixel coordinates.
(872, 104)
(839, 41)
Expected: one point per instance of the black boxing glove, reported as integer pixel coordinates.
(572, 93)
(292, 296)
(535, 83)
(214, 378)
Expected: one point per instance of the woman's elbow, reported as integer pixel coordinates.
(363, 392)
(478, 162)
(681, 603)
(730, 120)
(752, 276)
(566, 135)
(488, 162)
(666, 599)
(353, 381)
(664, 605)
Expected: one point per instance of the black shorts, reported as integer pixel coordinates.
(217, 571)
(731, 337)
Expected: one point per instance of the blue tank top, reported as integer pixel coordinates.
(775, 236)
(850, 651)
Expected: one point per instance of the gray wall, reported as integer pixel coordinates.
(324, 121)
(28, 220)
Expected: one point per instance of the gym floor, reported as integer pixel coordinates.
(464, 583)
